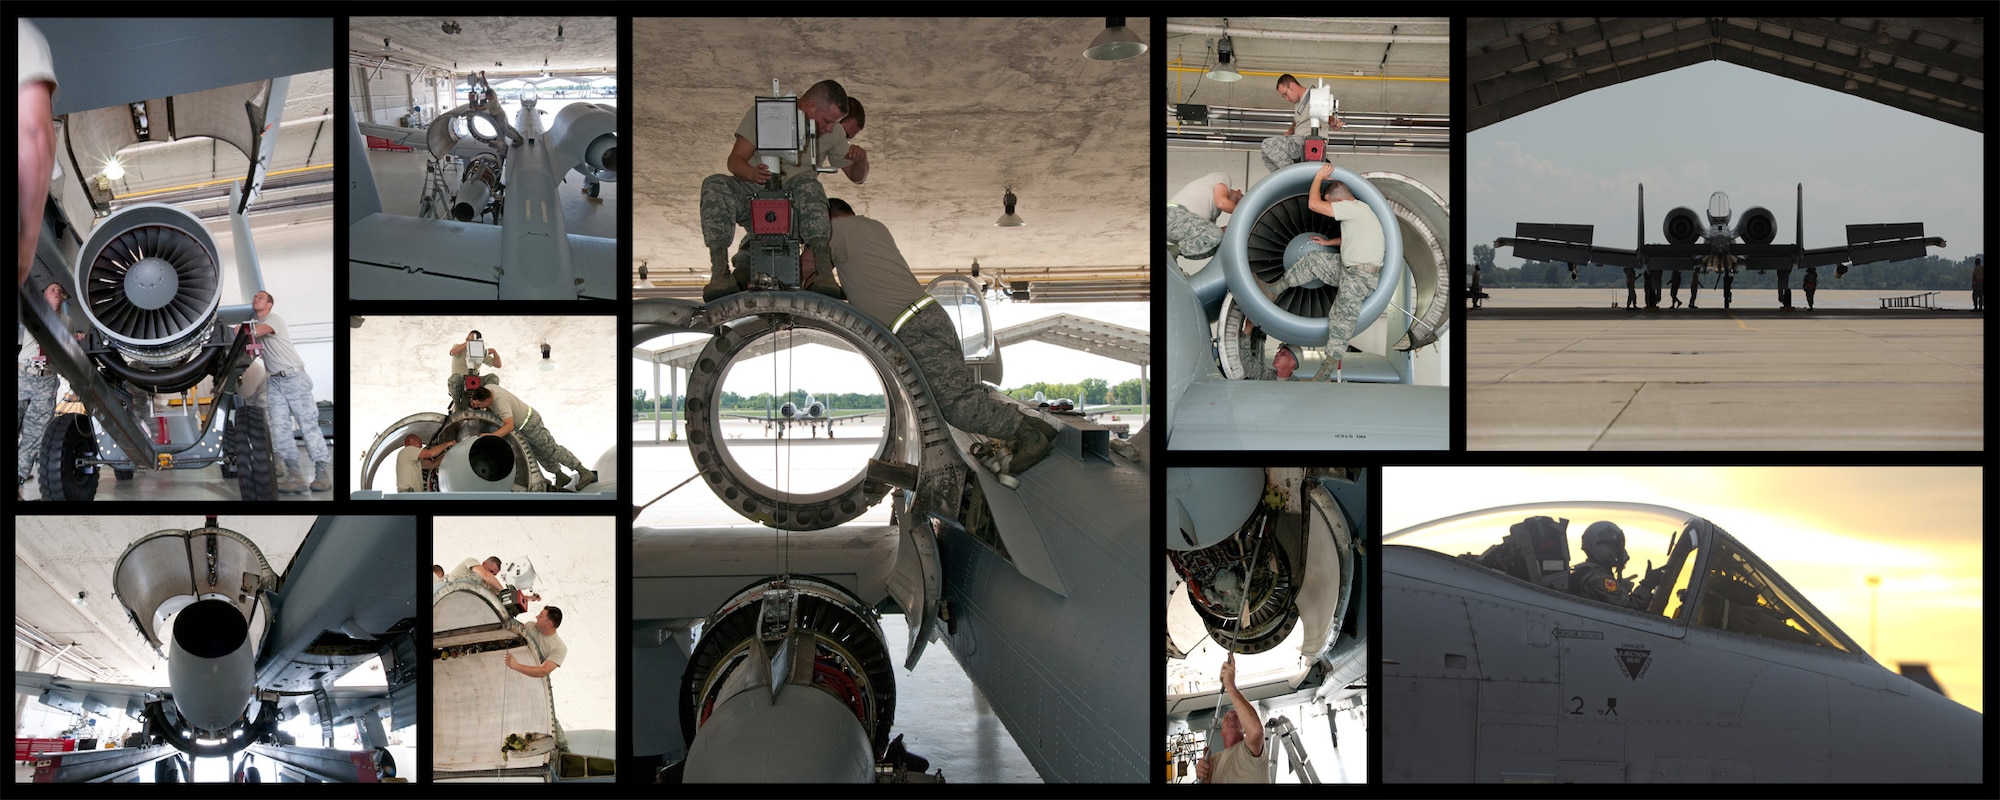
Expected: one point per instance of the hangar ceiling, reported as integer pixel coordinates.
(958, 111)
(1934, 67)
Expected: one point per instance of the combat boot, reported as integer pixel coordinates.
(1031, 443)
(561, 479)
(292, 481)
(721, 284)
(584, 477)
(322, 479)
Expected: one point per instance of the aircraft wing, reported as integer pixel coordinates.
(756, 417)
(70, 694)
(858, 415)
(452, 260)
(348, 596)
(1538, 241)
(1867, 244)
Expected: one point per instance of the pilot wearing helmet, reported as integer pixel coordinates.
(1598, 577)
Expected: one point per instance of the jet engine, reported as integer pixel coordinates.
(151, 286)
(475, 189)
(204, 590)
(1682, 226)
(478, 464)
(790, 682)
(1758, 226)
(210, 664)
(586, 137)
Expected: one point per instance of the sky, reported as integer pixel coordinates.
(1824, 529)
(1580, 161)
(822, 370)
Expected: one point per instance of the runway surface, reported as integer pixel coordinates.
(1757, 379)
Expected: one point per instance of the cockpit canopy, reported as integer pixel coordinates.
(1718, 208)
(1704, 575)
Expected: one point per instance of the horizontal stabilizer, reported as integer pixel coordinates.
(1552, 232)
(1884, 231)
(1887, 251)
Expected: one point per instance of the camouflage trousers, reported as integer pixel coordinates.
(1283, 151)
(37, 398)
(289, 406)
(544, 448)
(1196, 237)
(1356, 282)
(725, 204)
(966, 403)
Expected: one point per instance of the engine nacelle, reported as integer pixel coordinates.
(1682, 226)
(475, 190)
(586, 134)
(1758, 226)
(210, 665)
(790, 682)
(479, 464)
(151, 283)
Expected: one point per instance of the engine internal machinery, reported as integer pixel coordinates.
(151, 285)
(198, 597)
(1245, 588)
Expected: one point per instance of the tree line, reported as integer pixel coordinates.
(1089, 391)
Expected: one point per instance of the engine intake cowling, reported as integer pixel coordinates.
(1758, 226)
(1682, 226)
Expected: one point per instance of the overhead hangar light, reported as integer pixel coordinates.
(1116, 43)
(113, 169)
(1009, 219)
(1225, 62)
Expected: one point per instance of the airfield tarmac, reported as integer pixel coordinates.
(1847, 376)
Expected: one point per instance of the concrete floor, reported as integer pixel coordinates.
(173, 484)
(1751, 379)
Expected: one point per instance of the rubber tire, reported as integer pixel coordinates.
(69, 437)
(123, 474)
(251, 775)
(228, 462)
(167, 770)
(593, 189)
(252, 440)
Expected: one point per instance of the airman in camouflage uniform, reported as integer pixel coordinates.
(36, 394)
(725, 199)
(1192, 211)
(1361, 238)
(882, 287)
(289, 402)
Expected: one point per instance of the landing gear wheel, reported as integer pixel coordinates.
(593, 189)
(230, 457)
(69, 442)
(252, 441)
(167, 770)
(251, 775)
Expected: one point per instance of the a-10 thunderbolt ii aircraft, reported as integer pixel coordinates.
(247, 646)
(1711, 669)
(1720, 247)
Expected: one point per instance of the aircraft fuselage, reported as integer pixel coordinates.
(1508, 681)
